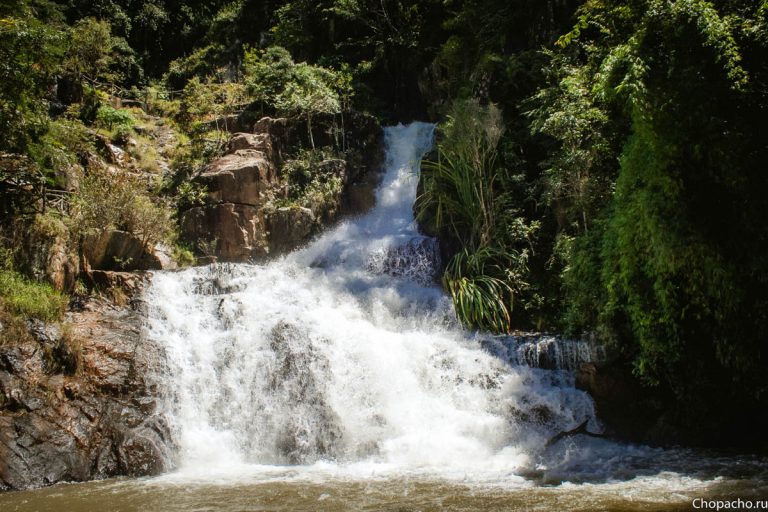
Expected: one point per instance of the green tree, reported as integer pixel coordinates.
(310, 92)
(89, 55)
(676, 262)
(29, 55)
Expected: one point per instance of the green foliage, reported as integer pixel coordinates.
(89, 53)
(206, 100)
(190, 194)
(464, 199)
(65, 145)
(24, 298)
(460, 188)
(110, 117)
(29, 54)
(106, 201)
(675, 263)
(300, 90)
(183, 255)
(484, 284)
(579, 176)
(313, 181)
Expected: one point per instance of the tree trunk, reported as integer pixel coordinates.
(309, 130)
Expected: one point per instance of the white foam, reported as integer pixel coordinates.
(318, 366)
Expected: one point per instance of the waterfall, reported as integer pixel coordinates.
(347, 353)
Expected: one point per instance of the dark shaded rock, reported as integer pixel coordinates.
(255, 141)
(276, 127)
(96, 423)
(416, 258)
(289, 227)
(129, 284)
(118, 250)
(230, 232)
(628, 409)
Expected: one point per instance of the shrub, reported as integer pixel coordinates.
(106, 201)
(110, 117)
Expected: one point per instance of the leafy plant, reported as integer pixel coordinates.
(484, 285)
(104, 202)
(464, 199)
(110, 117)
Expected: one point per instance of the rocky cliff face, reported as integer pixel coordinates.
(243, 219)
(79, 403)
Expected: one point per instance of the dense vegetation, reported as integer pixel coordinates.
(600, 164)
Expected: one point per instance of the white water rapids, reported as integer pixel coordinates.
(344, 360)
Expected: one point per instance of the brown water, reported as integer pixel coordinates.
(664, 492)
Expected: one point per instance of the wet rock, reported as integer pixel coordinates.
(129, 283)
(118, 250)
(230, 232)
(628, 409)
(98, 422)
(164, 255)
(289, 227)
(416, 258)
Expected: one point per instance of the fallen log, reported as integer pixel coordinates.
(580, 430)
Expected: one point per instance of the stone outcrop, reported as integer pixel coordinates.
(240, 184)
(628, 410)
(240, 221)
(227, 231)
(243, 176)
(289, 227)
(78, 403)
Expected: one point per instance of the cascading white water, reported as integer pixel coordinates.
(347, 355)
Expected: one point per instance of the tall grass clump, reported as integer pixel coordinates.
(24, 298)
(463, 200)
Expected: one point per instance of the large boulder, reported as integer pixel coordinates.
(231, 232)
(289, 227)
(118, 250)
(244, 176)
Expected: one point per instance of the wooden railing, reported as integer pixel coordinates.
(59, 200)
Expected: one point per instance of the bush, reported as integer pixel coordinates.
(183, 256)
(109, 117)
(104, 202)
